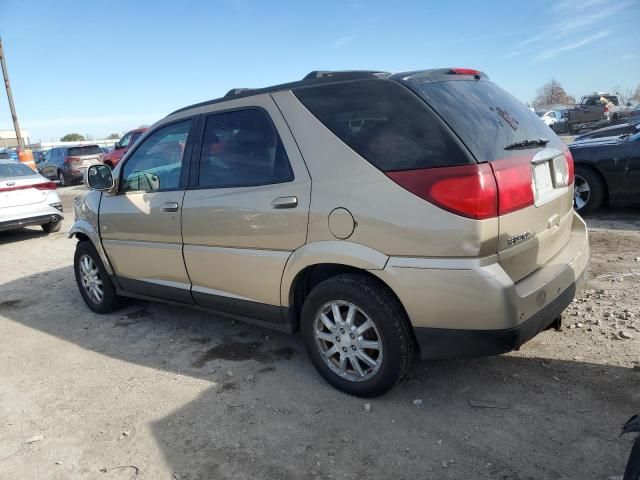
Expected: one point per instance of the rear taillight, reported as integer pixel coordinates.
(464, 71)
(570, 167)
(467, 190)
(515, 183)
(45, 186)
(37, 186)
(69, 160)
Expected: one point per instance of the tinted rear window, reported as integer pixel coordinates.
(8, 170)
(486, 118)
(86, 150)
(385, 123)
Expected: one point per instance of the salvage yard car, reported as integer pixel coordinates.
(27, 198)
(68, 164)
(382, 215)
(122, 146)
(607, 171)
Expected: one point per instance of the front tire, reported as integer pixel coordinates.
(357, 335)
(588, 191)
(93, 280)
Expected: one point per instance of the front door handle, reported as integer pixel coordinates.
(170, 207)
(285, 202)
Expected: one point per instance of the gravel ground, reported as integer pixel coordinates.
(158, 392)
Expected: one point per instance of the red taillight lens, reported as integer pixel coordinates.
(45, 186)
(467, 190)
(37, 186)
(464, 71)
(71, 160)
(570, 167)
(514, 179)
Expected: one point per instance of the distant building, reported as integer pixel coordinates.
(8, 138)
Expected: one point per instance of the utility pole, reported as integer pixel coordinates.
(12, 107)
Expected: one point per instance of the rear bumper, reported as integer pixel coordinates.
(29, 221)
(471, 307)
(440, 343)
(33, 214)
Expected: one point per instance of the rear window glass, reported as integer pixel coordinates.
(385, 123)
(86, 150)
(8, 170)
(486, 118)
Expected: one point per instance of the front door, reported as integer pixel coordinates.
(140, 225)
(246, 210)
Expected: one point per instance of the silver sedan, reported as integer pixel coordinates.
(27, 198)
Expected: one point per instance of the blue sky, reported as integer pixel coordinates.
(107, 66)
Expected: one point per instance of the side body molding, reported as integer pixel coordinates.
(335, 252)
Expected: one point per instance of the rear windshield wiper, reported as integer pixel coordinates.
(527, 143)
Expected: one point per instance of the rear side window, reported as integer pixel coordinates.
(385, 123)
(241, 149)
(86, 150)
(485, 117)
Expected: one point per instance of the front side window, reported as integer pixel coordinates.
(125, 141)
(242, 148)
(156, 164)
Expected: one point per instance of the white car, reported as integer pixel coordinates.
(27, 198)
(553, 119)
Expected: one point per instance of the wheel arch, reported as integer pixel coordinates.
(84, 231)
(318, 261)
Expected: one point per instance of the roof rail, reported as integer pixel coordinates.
(237, 91)
(346, 74)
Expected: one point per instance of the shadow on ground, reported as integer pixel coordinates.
(504, 417)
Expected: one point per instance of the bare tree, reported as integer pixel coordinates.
(636, 94)
(552, 93)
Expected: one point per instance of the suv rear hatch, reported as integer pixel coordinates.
(84, 156)
(533, 169)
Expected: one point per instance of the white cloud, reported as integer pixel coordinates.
(572, 24)
(343, 41)
(554, 52)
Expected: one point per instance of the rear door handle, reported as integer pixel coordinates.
(170, 207)
(285, 202)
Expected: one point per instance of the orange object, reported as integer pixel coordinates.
(26, 157)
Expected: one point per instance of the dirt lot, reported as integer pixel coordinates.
(170, 393)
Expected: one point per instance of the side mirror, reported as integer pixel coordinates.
(99, 177)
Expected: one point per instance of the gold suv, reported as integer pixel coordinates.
(382, 215)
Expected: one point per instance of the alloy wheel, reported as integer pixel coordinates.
(90, 279)
(581, 192)
(348, 340)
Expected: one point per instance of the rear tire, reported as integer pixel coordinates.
(93, 280)
(62, 179)
(589, 191)
(368, 359)
(52, 227)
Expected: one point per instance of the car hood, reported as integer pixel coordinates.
(596, 142)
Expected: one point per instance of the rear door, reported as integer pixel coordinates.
(247, 209)
(536, 220)
(140, 225)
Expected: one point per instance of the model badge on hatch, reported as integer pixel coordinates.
(519, 238)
